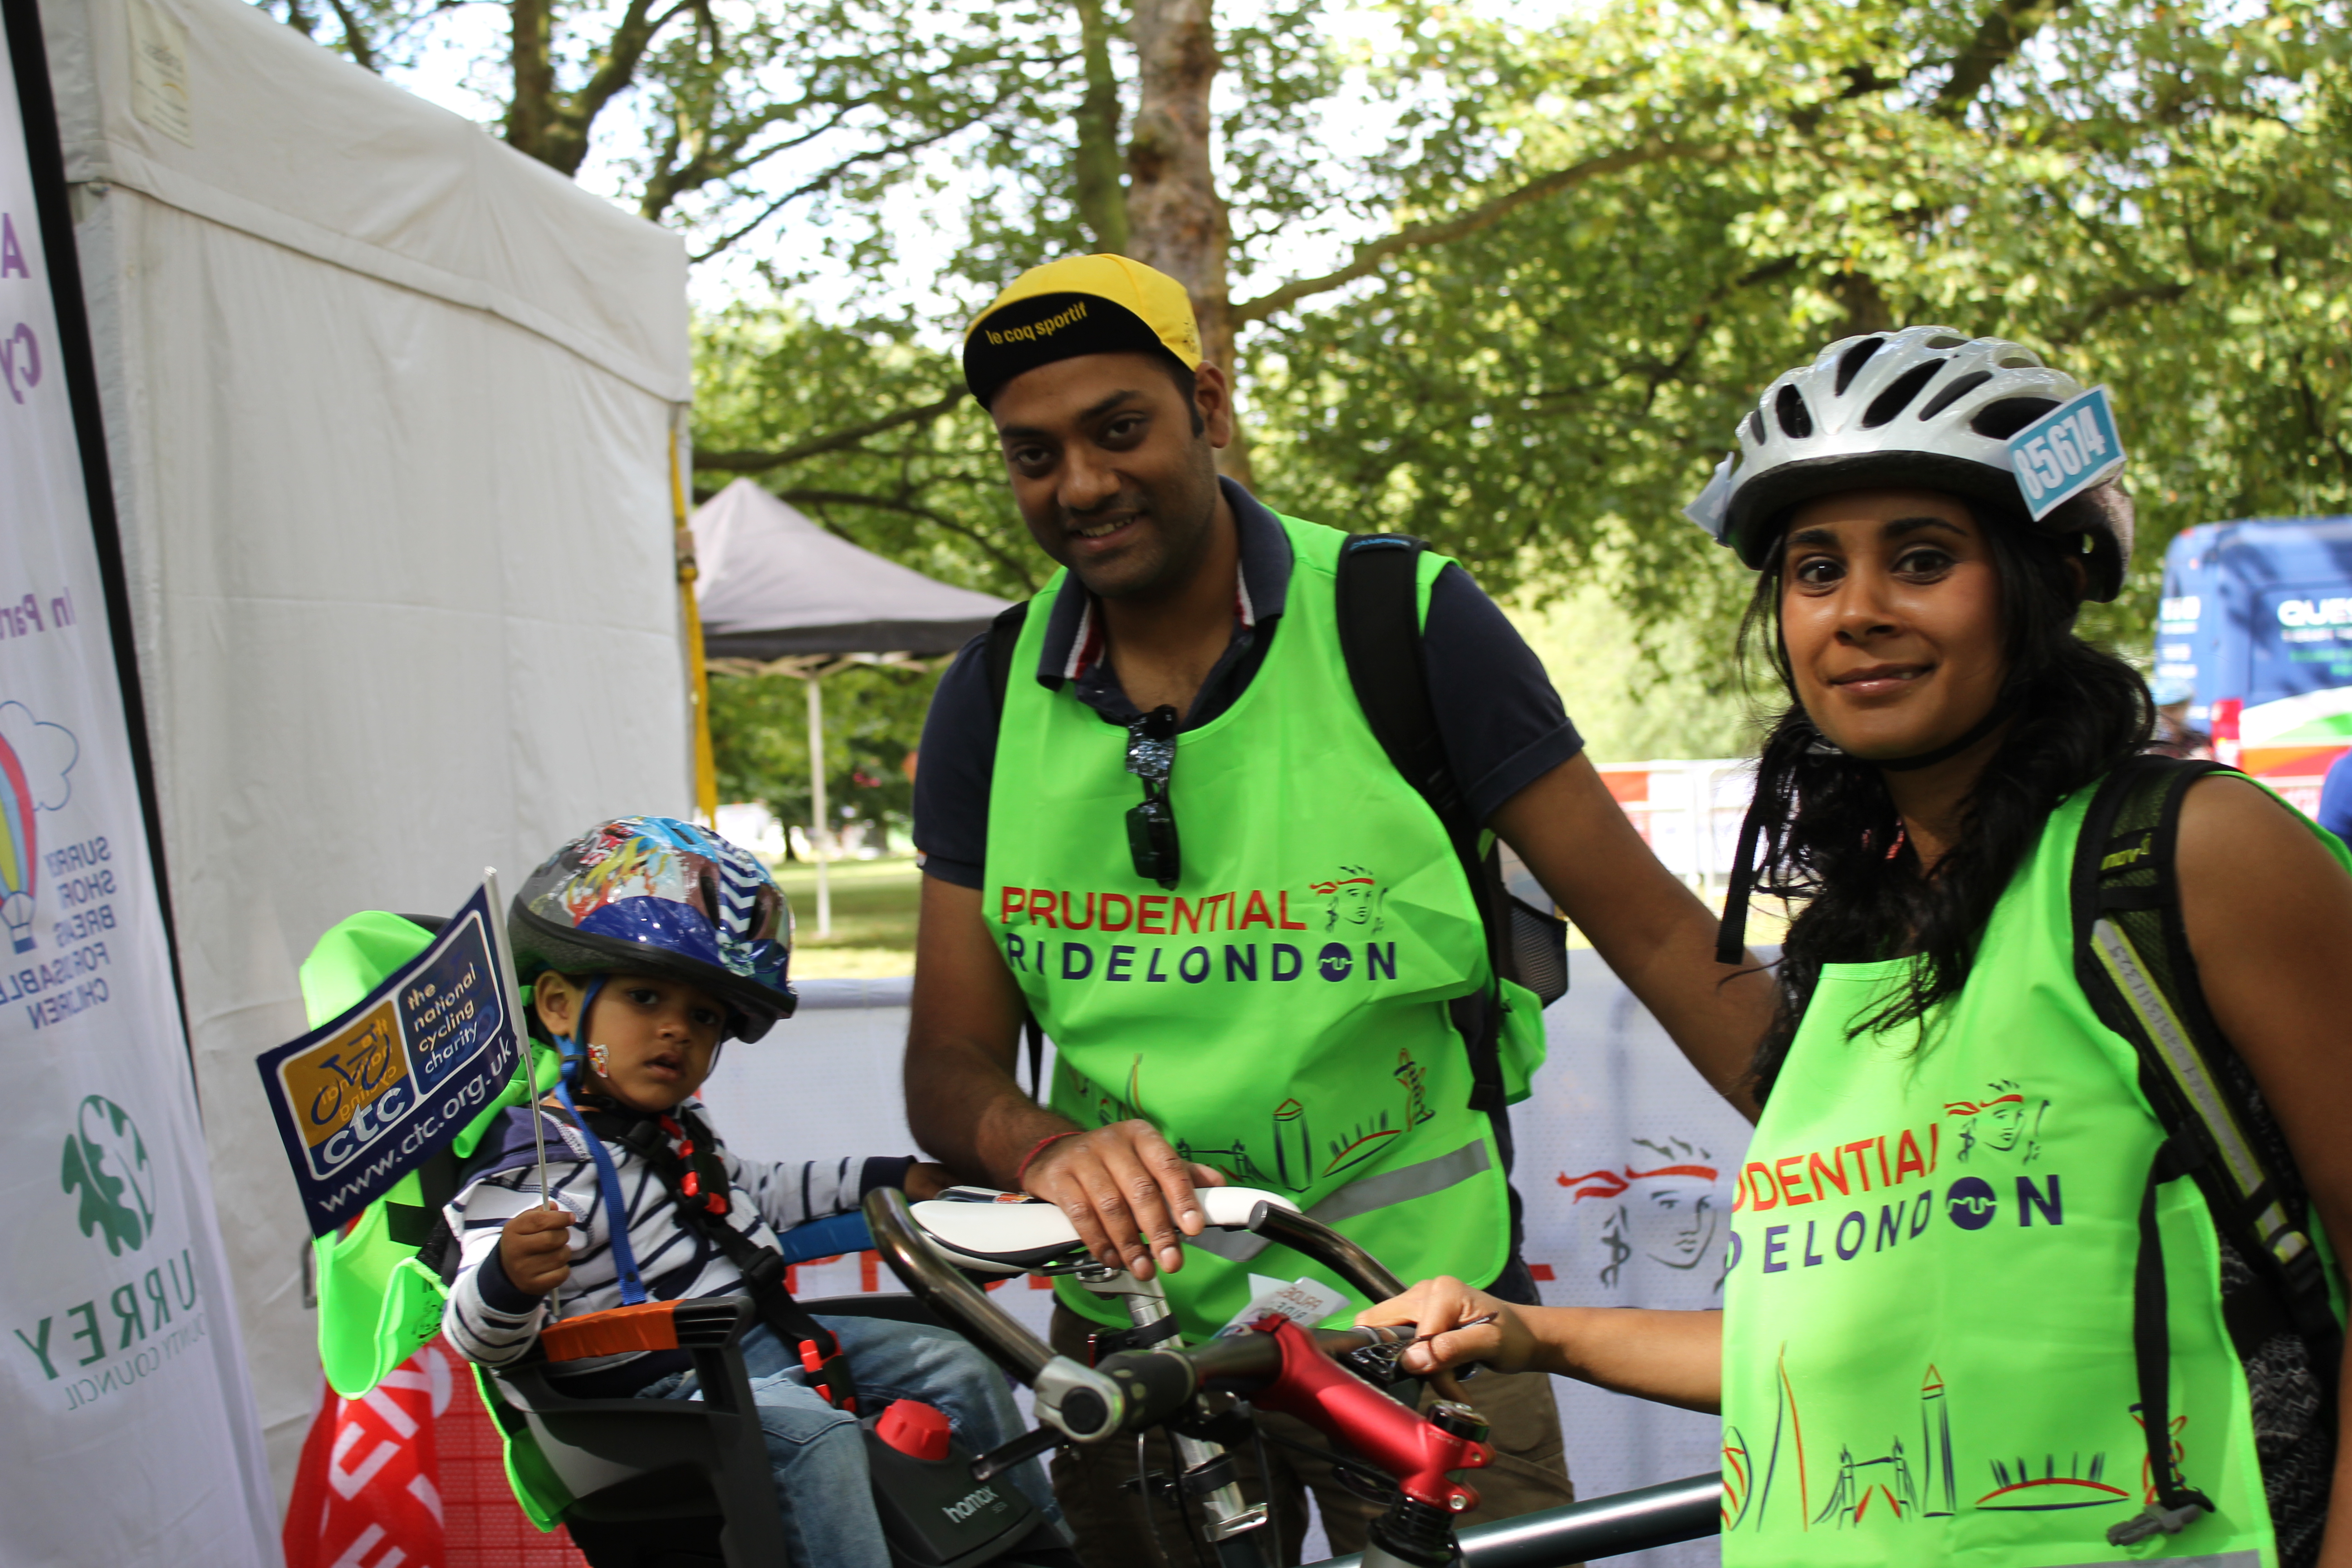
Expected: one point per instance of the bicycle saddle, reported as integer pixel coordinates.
(1011, 1233)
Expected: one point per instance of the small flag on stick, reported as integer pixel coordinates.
(367, 1098)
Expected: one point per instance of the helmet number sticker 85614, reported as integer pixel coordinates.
(2066, 451)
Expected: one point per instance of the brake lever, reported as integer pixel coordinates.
(1020, 1451)
(1378, 1364)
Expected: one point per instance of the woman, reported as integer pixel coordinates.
(1954, 1236)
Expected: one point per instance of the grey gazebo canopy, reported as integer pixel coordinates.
(776, 592)
(772, 584)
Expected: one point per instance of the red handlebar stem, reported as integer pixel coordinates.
(1336, 1402)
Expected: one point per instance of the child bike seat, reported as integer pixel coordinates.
(991, 1232)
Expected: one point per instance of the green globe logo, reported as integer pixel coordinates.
(106, 1162)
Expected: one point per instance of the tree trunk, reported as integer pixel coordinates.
(530, 113)
(1102, 205)
(1176, 220)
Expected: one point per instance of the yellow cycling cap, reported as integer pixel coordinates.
(1079, 305)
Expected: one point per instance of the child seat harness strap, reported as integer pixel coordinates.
(684, 1154)
(608, 1180)
(2133, 962)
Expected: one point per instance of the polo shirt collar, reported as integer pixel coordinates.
(1074, 637)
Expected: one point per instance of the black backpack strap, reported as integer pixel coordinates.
(694, 1180)
(1004, 636)
(2133, 962)
(1380, 636)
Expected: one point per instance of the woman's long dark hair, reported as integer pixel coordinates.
(1829, 836)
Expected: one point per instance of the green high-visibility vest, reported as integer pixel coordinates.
(1280, 1014)
(1928, 1321)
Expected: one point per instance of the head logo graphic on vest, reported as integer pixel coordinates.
(106, 1165)
(1351, 904)
(2007, 1121)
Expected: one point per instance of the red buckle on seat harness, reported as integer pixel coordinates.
(820, 1368)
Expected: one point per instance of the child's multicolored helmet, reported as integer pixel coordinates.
(655, 895)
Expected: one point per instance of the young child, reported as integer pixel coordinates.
(648, 942)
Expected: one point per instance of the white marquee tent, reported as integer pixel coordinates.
(393, 413)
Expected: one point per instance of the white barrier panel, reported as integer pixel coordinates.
(1625, 1161)
(1689, 813)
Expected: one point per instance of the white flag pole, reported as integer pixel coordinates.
(513, 990)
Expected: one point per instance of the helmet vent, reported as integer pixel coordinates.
(2019, 359)
(1899, 393)
(1756, 431)
(1850, 363)
(1947, 342)
(1796, 419)
(1954, 393)
(1999, 421)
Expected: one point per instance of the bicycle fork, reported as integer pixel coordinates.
(1205, 1472)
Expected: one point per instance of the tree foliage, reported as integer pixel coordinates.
(759, 727)
(1523, 320)
(2149, 196)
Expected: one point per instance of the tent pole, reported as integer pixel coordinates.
(821, 832)
(706, 765)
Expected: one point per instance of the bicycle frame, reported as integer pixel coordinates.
(1283, 1367)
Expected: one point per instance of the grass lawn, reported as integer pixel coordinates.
(874, 904)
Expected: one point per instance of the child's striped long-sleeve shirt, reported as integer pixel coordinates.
(492, 1322)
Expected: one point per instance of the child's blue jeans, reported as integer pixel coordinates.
(816, 1451)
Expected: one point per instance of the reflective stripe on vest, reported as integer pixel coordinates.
(1280, 1012)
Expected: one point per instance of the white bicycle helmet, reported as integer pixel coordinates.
(1925, 406)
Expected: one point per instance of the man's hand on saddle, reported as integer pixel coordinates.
(1129, 1195)
(534, 1248)
(1452, 1326)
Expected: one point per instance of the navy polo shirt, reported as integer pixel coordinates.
(1501, 721)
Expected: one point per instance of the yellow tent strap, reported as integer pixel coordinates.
(706, 764)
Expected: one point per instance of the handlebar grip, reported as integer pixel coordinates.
(1156, 1384)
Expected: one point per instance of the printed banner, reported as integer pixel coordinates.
(363, 1100)
(127, 1427)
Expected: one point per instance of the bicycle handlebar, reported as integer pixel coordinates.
(937, 1285)
(1309, 1235)
(1135, 1388)
(1139, 1388)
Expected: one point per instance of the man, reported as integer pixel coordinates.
(1182, 850)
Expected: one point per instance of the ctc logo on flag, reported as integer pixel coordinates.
(348, 1089)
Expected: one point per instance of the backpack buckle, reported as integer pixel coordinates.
(2158, 1519)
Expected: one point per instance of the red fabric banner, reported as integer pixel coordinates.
(412, 1475)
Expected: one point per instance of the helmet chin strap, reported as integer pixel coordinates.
(608, 1179)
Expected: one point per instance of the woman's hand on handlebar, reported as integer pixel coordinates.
(1127, 1193)
(1454, 1326)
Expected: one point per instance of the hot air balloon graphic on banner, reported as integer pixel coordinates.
(19, 851)
(35, 758)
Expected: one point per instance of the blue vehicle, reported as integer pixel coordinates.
(2255, 636)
